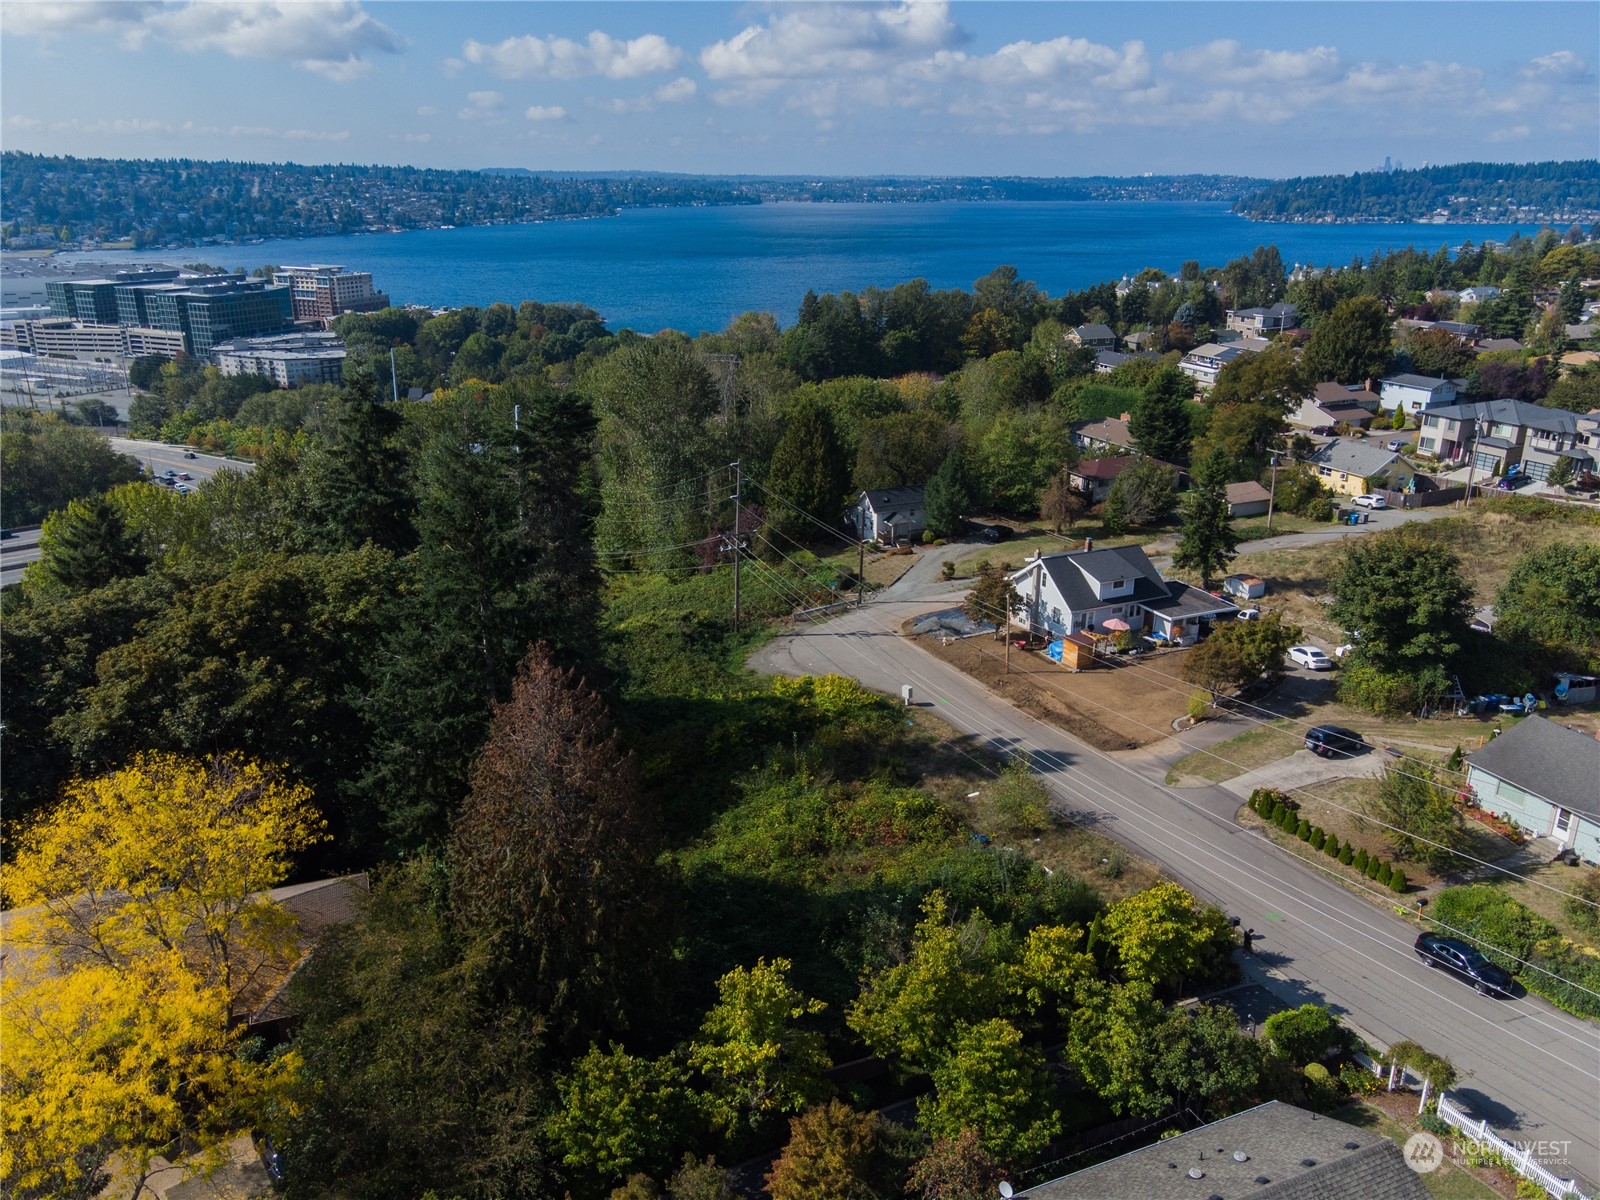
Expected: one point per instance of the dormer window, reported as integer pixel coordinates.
(1116, 583)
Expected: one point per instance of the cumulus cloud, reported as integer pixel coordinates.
(1226, 62)
(482, 106)
(327, 37)
(289, 135)
(531, 57)
(676, 92)
(801, 41)
(1563, 66)
(543, 112)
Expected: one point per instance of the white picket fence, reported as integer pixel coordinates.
(1520, 1158)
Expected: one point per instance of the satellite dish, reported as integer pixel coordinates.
(1005, 1190)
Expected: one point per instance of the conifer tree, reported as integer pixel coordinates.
(1208, 542)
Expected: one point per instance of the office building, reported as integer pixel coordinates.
(62, 336)
(323, 291)
(289, 359)
(95, 300)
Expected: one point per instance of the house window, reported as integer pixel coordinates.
(1116, 583)
(1427, 443)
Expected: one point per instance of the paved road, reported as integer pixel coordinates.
(16, 553)
(1532, 1071)
(158, 457)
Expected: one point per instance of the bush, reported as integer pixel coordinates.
(1361, 859)
(1436, 1125)
(1504, 929)
(1331, 847)
(1277, 812)
(1387, 693)
(1303, 1034)
(1320, 509)
(1322, 1093)
(1319, 839)
(1385, 874)
(1195, 708)
(1347, 856)
(1358, 1081)
(1373, 864)
(1583, 906)
(1397, 881)
(1302, 830)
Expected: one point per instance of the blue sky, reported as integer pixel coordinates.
(924, 88)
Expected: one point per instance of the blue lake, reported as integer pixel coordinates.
(696, 268)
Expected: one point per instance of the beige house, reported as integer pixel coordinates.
(1346, 467)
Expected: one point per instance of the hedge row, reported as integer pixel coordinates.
(1273, 806)
(1514, 937)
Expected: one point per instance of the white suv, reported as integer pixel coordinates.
(1371, 500)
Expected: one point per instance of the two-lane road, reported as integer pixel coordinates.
(1530, 1069)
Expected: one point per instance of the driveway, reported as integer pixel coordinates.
(1531, 1070)
(1303, 768)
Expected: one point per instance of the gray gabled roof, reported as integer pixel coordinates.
(1096, 332)
(1186, 601)
(1072, 571)
(1509, 412)
(1302, 1156)
(1354, 458)
(1549, 760)
(880, 499)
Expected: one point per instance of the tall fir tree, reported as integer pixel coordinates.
(1208, 541)
(950, 495)
(361, 492)
(809, 473)
(86, 545)
(1160, 421)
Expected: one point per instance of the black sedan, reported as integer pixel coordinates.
(1461, 959)
(1334, 741)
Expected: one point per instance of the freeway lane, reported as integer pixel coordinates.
(159, 457)
(1530, 1069)
(16, 553)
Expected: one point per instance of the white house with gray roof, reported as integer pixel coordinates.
(1545, 778)
(1080, 590)
(888, 515)
(1417, 392)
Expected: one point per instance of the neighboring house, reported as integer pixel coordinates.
(1417, 392)
(1348, 393)
(1477, 295)
(1080, 590)
(1094, 337)
(1141, 339)
(1264, 320)
(1318, 414)
(1204, 363)
(888, 515)
(1496, 435)
(1346, 467)
(1491, 344)
(1463, 331)
(1271, 1152)
(1581, 333)
(1107, 361)
(1545, 778)
(1094, 476)
(1248, 499)
(1101, 436)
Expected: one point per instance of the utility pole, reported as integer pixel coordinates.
(1272, 496)
(394, 380)
(1472, 462)
(738, 512)
(861, 566)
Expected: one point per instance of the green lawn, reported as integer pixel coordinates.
(1237, 755)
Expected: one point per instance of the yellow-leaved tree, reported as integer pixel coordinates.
(138, 929)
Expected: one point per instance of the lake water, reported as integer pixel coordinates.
(696, 268)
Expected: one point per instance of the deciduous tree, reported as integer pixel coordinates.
(1062, 504)
(553, 853)
(1406, 594)
(957, 1168)
(1163, 936)
(1143, 494)
(833, 1153)
(1550, 606)
(1349, 344)
(621, 1113)
(996, 1086)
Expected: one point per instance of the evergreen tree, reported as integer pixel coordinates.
(1159, 423)
(1351, 343)
(809, 471)
(86, 546)
(951, 494)
(1571, 301)
(1208, 542)
(363, 494)
(552, 856)
(1514, 305)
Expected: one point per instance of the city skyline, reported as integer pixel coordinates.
(923, 89)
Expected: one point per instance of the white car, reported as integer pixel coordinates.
(1371, 501)
(1310, 658)
(1248, 614)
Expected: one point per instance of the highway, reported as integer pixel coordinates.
(1528, 1068)
(156, 457)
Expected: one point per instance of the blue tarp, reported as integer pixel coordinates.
(1053, 650)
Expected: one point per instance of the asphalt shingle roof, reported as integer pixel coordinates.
(1072, 571)
(1426, 382)
(1509, 412)
(1354, 458)
(1301, 1155)
(900, 497)
(1549, 760)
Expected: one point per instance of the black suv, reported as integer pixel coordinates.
(993, 533)
(1333, 741)
(1461, 959)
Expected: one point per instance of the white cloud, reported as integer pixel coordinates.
(1515, 133)
(1226, 62)
(1563, 66)
(675, 92)
(540, 112)
(327, 37)
(483, 106)
(531, 57)
(421, 138)
(18, 121)
(289, 135)
(805, 41)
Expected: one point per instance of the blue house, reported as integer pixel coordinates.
(1544, 778)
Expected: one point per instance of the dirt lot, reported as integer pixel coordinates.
(1109, 707)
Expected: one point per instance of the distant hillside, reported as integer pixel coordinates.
(48, 201)
(1482, 192)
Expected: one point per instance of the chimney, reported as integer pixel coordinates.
(1125, 417)
(1088, 543)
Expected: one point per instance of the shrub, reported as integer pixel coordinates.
(947, 570)
(1277, 812)
(1505, 930)
(1319, 839)
(1303, 1034)
(1322, 1093)
(1320, 509)
(1397, 881)
(1436, 1125)
(1373, 864)
(1358, 1081)
(1583, 906)
(1347, 856)
(1195, 709)
(1385, 874)
(1331, 847)
(1361, 859)
(1302, 830)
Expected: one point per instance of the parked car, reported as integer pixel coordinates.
(1399, 445)
(1371, 500)
(1248, 614)
(1311, 658)
(1510, 483)
(994, 533)
(185, 476)
(1461, 959)
(1323, 431)
(1334, 741)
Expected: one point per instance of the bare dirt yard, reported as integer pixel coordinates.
(1110, 707)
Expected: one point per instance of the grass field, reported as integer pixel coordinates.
(1232, 758)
